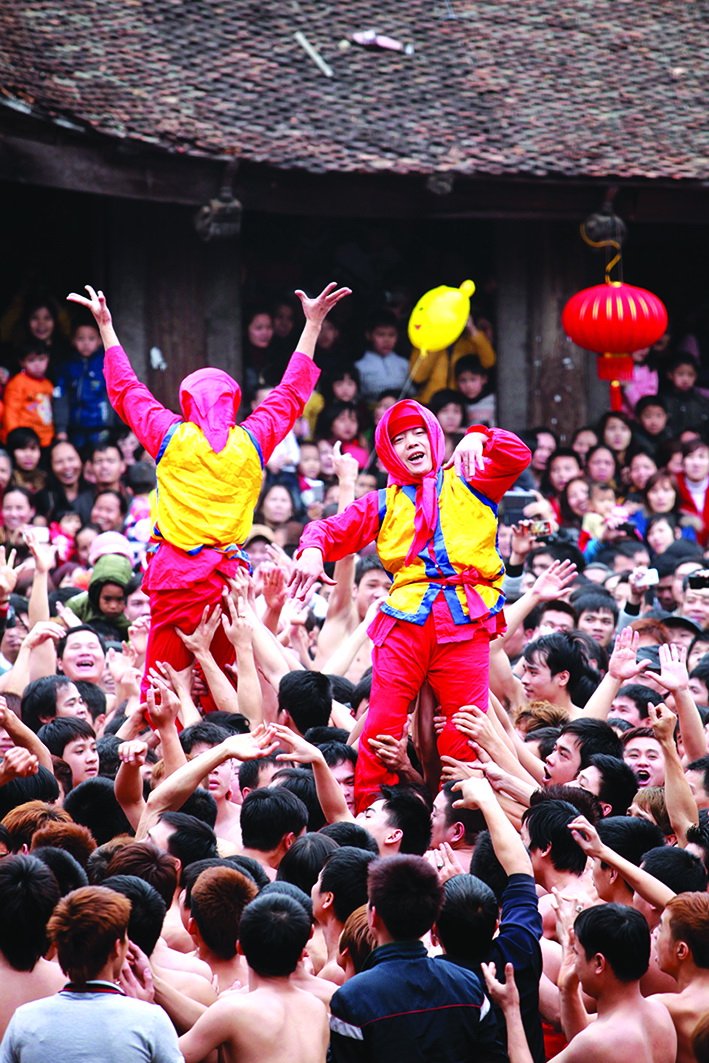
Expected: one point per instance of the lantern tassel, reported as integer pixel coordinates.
(616, 396)
(615, 367)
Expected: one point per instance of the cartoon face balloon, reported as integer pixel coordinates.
(439, 317)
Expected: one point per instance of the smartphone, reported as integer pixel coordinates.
(540, 527)
(650, 579)
(699, 581)
(513, 505)
(41, 534)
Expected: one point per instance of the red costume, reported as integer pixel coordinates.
(436, 535)
(209, 477)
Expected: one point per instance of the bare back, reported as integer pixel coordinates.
(280, 1024)
(20, 987)
(641, 1033)
(686, 1009)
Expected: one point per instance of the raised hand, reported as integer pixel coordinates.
(554, 581)
(200, 640)
(623, 664)
(344, 465)
(673, 670)
(8, 573)
(663, 722)
(307, 571)
(317, 309)
(505, 995)
(468, 455)
(96, 303)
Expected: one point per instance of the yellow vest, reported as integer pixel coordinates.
(465, 541)
(204, 498)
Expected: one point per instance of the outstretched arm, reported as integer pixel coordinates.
(131, 400)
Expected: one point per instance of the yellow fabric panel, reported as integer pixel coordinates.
(204, 498)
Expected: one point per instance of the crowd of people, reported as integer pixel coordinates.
(210, 837)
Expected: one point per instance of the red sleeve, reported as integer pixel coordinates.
(506, 457)
(273, 418)
(346, 532)
(134, 404)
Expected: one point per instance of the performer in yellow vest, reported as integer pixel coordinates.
(209, 472)
(436, 535)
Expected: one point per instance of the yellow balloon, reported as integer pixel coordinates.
(439, 317)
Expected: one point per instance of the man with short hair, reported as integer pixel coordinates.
(551, 668)
(597, 616)
(456, 827)
(304, 700)
(91, 1018)
(405, 1005)
(399, 821)
(341, 888)
(28, 894)
(271, 820)
(276, 1022)
(81, 654)
(611, 780)
(49, 696)
(611, 949)
(578, 741)
(682, 948)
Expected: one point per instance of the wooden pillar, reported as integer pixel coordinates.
(222, 294)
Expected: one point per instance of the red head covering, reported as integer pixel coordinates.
(399, 417)
(210, 398)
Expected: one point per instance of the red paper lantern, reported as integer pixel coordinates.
(614, 319)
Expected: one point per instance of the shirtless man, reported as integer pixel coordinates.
(680, 943)
(275, 1022)
(611, 950)
(28, 894)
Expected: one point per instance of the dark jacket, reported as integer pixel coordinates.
(405, 1007)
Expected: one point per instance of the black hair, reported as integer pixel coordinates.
(618, 933)
(547, 823)
(560, 653)
(445, 397)
(596, 602)
(249, 770)
(679, 870)
(593, 736)
(585, 803)
(66, 869)
(406, 893)
(273, 932)
(546, 737)
(200, 805)
(485, 865)
(19, 438)
(329, 414)
(28, 895)
(408, 813)
(62, 730)
(249, 866)
(361, 691)
(307, 697)
(93, 804)
(147, 909)
(301, 782)
(191, 873)
(348, 833)
(345, 876)
(701, 764)
(41, 786)
(267, 815)
(342, 689)
(206, 732)
(368, 563)
(191, 840)
(649, 400)
(287, 889)
(470, 363)
(618, 782)
(39, 699)
(304, 861)
(325, 736)
(108, 760)
(337, 753)
(93, 696)
(472, 819)
(468, 918)
(630, 836)
(122, 502)
(640, 695)
(233, 722)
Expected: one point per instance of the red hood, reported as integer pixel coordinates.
(210, 399)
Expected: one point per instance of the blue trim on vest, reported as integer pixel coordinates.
(456, 609)
(480, 496)
(166, 439)
(382, 501)
(422, 613)
(257, 445)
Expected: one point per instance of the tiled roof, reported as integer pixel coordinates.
(590, 88)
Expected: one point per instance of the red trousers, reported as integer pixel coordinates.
(458, 673)
(183, 608)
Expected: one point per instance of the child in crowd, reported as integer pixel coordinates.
(651, 415)
(103, 604)
(471, 378)
(644, 381)
(311, 487)
(24, 448)
(449, 409)
(381, 367)
(445, 603)
(685, 406)
(339, 423)
(82, 411)
(28, 397)
(601, 503)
